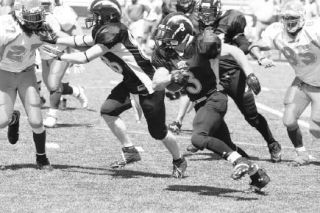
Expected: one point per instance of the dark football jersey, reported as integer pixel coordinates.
(202, 79)
(232, 24)
(125, 57)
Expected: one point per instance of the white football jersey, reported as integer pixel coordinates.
(17, 49)
(303, 52)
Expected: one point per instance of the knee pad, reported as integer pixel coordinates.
(158, 133)
(198, 141)
(109, 118)
(35, 124)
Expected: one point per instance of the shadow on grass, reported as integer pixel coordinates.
(116, 173)
(68, 125)
(209, 191)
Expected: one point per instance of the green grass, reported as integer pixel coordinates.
(83, 182)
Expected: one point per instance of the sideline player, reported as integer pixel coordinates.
(64, 21)
(20, 37)
(192, 62)
(112, 42)
(299, 42)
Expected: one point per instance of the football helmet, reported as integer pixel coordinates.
(209, 11)
(185, 6)
(103, 12)
(292, 16)
(175, 32)
(30, 14)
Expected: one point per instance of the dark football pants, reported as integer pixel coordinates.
(152, 106)
(209, 122)
(246, 103)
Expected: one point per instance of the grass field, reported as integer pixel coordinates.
(82, 147)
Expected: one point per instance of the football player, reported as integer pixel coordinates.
(298, 40)
(113, 43)
(20, 34)
(65, 23)
(192, 62)
(229, 25)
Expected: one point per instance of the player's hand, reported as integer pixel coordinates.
(54, 52)
(266, 62)
(253, 83)
(180, 77)
(77, 68)
(47, 35)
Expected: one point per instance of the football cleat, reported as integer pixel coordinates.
(191, 148)
(43, 163)
(50, 121)
(275, 151)
(302, 159)
(179, 168)
(129, 155)
(13, 127)
(82, 98)
(259, 180)
(243, 166)
(175, 127)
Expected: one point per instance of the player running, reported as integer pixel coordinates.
(299, 41)
(229, 25)
(20, 34)
(112, 41)
(183, 60)
(64, 21)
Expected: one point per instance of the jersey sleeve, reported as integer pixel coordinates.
(271, 32)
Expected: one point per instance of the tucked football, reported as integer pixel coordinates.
(174, 87)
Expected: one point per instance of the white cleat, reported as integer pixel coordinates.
(50, 122)
(82, 98)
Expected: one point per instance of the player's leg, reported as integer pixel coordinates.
(8, 94)
(246, 103)
(154, 111)
(30, 99)
(184, 103)
(295, 102)
(206, 123)
(314, 94)
(117, 102)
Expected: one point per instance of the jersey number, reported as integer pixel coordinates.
(306, 58)
(16, 53)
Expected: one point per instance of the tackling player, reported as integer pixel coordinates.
(64, 21)
(299, 41)
(113, 43)
(19, 38)
(183, 60)
(229, 25)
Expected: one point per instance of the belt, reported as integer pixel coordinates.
(203, 98)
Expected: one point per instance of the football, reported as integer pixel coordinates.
(174, 87)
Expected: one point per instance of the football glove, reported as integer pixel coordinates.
(253, 83)
(47, 34)
(179, 77)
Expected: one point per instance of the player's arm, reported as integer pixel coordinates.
(78, 57)
(76, 41)
(161, 79)
(242, 60)
(239, 57)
